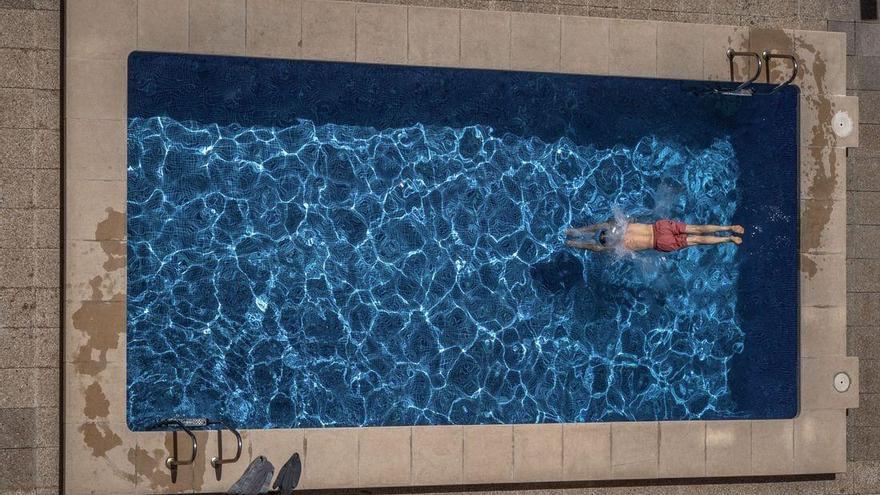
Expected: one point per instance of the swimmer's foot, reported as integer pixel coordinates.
(738, 229)
(736, 240)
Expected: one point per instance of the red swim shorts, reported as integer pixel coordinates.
(669, 235)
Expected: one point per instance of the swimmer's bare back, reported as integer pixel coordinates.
(638, 237)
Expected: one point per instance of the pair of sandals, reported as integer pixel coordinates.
(256, 478)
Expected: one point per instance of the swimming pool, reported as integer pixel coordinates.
(334, 244)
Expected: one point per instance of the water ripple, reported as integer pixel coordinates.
(339, 276)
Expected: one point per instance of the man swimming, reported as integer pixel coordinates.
(663, 235)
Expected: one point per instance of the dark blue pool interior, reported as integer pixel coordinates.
(228, 316)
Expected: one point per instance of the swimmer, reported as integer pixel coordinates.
(663, 235)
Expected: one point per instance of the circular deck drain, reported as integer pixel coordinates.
(842, 124)
(841, 382)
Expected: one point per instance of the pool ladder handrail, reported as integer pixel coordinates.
(185, 425)
(173, 461)
(731, 55)
(218, 461)
(762, 61)
(767, 56)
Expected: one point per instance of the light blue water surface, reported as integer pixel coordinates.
(333, 275)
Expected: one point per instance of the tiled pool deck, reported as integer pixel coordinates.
(103, 456)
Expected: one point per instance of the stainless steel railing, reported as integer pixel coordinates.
(186, 425)
(762, 62)
(731, 56)
(767, 56)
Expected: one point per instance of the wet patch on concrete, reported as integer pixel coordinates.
(111, 228)
(103, 323)
(102, 286)
(97, 405)
(106, 286)
(773, 40)
(116, 255)
(100, 322)
(740, 71)
(150, 467)
(95, 284)
(809, 266)
(199, 469)
(99, 438)
(817, 214)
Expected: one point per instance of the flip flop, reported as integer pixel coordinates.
(288, 475)
(255, 479)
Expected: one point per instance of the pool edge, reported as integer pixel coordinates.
(99, 445)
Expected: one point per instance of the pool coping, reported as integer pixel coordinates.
(103, 456)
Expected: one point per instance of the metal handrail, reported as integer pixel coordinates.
(173, 462)
(218, 461)
(732, 54)
(184, 424)
(767, 56)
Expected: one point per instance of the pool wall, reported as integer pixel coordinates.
(103, 456)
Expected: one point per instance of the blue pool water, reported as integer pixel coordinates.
(328, 244)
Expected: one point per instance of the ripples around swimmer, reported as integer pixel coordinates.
(331, 275)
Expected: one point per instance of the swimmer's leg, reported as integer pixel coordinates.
(697, 240)
(711, 229)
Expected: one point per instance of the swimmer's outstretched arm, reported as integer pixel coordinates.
(585, 245)
(589, 228)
